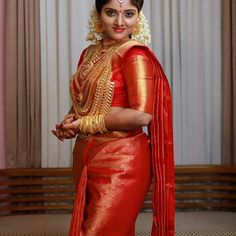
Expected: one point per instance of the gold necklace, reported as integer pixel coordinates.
(91, 88)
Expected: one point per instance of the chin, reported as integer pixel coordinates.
(119, 37)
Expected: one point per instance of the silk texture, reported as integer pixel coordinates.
(110, 191)
(112, 171)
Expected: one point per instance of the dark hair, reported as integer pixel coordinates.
(101, 3)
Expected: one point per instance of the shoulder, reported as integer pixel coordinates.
(129, 45)
(89, 49)
(133, 48)
(86, 51)
(133, 51)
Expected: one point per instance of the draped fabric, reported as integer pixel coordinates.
(2, 33)
(111, 171)
(94, 201)
(22, 84)
(161, 132)
(186, 37)
(161, 136)
(229, 81)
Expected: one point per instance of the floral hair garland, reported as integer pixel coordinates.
(142, 35)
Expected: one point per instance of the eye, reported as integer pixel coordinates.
(110, 13)
(129, 14)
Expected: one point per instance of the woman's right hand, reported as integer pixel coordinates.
(64, 133)
(71, 126)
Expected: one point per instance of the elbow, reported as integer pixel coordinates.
(145, 119)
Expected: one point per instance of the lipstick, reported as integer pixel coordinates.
(119, 30)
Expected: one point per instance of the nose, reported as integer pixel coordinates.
(120, 20)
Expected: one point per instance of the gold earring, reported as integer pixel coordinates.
(98, 25)
(136, 29)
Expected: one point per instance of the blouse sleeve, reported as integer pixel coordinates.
(138, 73)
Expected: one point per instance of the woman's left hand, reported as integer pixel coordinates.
(74, 126)
(67, 129)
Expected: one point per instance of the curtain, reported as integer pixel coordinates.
(22, 84)
(186, 37)
(2, 31)
(63, 33)
(229, 81)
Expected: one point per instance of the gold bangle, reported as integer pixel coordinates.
(93, 124)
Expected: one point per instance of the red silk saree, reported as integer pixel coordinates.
(113, 171)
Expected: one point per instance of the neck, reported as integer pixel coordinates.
(110, 42)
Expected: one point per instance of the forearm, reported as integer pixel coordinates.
(127, 119)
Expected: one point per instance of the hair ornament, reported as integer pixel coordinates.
(94, 34)
(121, 2)
(142, 31)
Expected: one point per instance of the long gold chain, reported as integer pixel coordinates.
(91, 88)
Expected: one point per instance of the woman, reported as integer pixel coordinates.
(119, 87)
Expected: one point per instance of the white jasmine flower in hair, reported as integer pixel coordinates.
(143, 35)
(93, 35)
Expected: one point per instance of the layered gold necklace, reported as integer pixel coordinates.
(91, 87)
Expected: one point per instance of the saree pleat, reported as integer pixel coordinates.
(162, 158)
(110, 192)
(78, 211)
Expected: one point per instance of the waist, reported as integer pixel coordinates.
(112, 134)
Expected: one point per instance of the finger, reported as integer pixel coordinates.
(60, 126)
(57, 135)
(61, 139)
(70, 134)
(54, 132)
(68, 120)
(68, 126)
(60, 136)
(66, 134)
(74, 125)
